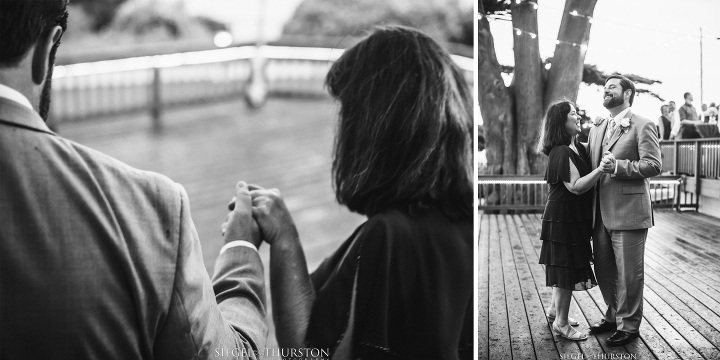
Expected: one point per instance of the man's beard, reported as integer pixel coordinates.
(46, 94)
(612, 102)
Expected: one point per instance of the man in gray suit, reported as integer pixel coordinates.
(99, 260)
(627, 146)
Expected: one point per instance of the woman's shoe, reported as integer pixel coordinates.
(571, 321)
(569, 333)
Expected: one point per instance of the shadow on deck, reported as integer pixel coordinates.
(681, 317)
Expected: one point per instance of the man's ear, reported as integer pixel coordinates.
(41, 55)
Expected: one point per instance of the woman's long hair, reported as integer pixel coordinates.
(552, 130)
(404, 135)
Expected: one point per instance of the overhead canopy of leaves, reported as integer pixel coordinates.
(101, 12)
(594, 76)
(496, 7)
(441, 19)
(159, 19)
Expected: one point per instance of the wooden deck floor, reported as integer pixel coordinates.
(286, 144)
(682, 294)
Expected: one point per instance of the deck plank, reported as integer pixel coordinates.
(483, 299)
(499, 332)
(682, 291)
(521, 341)
(532, 276)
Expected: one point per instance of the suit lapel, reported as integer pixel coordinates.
(600, 142)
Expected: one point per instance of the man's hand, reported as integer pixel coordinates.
(239, 224)
(608, 163)
(270, 212)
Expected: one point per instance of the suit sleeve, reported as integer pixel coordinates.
(649, 164)
(224, 319)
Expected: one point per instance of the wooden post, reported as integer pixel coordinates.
(698, 168)
(156, 100)
(675, 157)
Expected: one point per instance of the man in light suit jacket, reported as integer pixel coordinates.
(99, 260)
(628, 148)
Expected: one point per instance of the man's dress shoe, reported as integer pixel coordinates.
(620, 338)
(603, 326)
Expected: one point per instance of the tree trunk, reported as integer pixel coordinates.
(567, 64)
(497, 104)
(528, 88)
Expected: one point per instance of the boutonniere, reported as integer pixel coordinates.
(598, 121)
(624, 124)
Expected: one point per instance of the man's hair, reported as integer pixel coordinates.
(22, 22)
(552, 129)
(625, 84)
(685, 95)
(662, 106)
(404, 134)
(671, 102)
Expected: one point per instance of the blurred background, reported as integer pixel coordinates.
(209, 92)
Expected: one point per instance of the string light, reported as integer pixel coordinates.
(585, 47)
(592, 20)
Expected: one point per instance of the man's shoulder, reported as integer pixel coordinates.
(641, 120)
(116, 176)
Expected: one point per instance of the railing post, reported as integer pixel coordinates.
(698, 167)
(675, 157)
(156, 100)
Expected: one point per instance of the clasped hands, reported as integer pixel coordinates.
(257, 214)
(607, 164)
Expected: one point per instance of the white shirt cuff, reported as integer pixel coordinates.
(236, 243)
(614, 172)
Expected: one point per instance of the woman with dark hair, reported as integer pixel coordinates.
(567, 220)
(401, 285)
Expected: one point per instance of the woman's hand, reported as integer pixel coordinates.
(239, 223)
(270, 212)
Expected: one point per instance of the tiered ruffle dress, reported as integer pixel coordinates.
(567, 224)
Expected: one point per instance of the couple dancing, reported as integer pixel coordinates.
(598, 190)
(99, 260)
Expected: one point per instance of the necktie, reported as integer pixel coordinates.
(611, 128)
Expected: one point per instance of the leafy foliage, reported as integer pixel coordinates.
(442, 19)
(594, 76)
(102, 12)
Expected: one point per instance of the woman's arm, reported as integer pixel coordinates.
(579, 185)
(291, 289)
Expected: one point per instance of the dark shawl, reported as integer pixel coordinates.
(414, 291)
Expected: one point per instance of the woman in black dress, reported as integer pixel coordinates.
(400, 287)
(567, 220)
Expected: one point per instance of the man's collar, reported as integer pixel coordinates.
(14, 95)
(621, 115)
(12, 113)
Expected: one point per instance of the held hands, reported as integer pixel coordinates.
(607, 164)
(239, 223)
(257, 213)
(270, 212)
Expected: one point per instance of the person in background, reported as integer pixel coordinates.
(674, 119)
(663, 123)
(703, 113)
(712, 113)
(687, 110)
